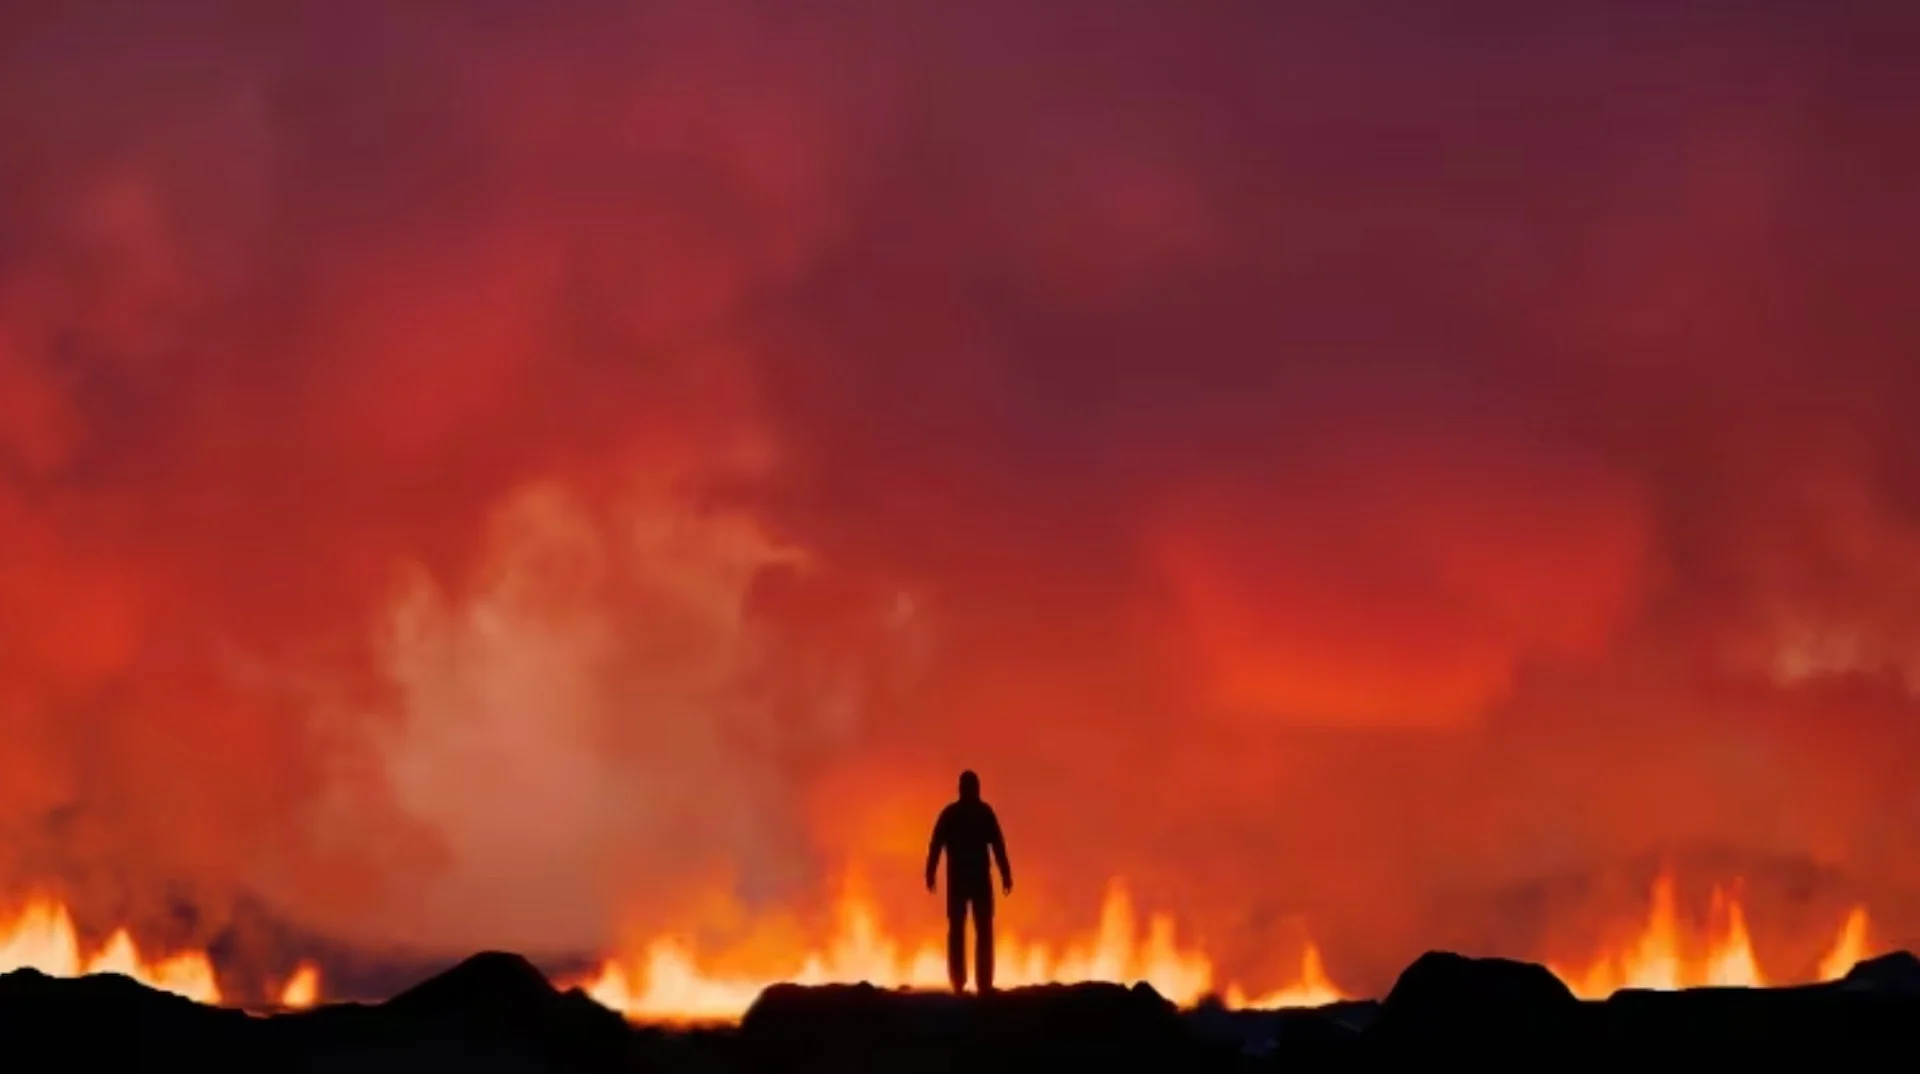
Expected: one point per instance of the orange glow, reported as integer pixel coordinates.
(668, 982)
(1849, 950)
(302, 990)
(1311, 988)
(1661, 957)
(42, 937)
(573, 484)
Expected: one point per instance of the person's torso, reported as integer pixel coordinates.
(969, 835)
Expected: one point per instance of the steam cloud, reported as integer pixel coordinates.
(497, 474)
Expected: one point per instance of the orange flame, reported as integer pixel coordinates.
(42, 937)
(1661, 959)
(302, 990)
(1849, 950)
(667, 982)
(1312, 988)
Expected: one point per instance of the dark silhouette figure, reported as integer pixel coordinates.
(966, 830)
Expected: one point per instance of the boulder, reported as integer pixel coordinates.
(1479, 1003)
(1896, 974)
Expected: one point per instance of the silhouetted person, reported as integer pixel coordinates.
(966, 830)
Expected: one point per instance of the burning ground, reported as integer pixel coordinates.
(669, 980)
(563, 477)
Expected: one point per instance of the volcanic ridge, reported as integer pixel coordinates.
(497, 1012)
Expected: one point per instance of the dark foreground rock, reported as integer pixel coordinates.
(102, 1022)
(1087, 1027)
(497, 1013)
(1476, 1004)
(491, 1012)
(1897, 974)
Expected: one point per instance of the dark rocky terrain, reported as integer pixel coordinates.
(496, 1012)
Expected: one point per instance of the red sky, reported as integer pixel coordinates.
(481, 473)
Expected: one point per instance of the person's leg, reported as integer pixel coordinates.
(957, 943)
(983, 942)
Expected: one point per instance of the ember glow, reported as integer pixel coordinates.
(302, 990)
(1665, 956)
(670, 981)
(667, 981)
(41, 936)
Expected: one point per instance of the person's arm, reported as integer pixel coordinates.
(999, 845)
(935, 846)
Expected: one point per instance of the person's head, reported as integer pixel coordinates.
(969, 786)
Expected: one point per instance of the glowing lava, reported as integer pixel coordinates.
(1311, 988)
(667, 983)
(42, 937)
(1849, 950)
(1662, 958)
(302, 990)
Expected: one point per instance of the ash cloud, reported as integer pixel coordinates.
(499, 474)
